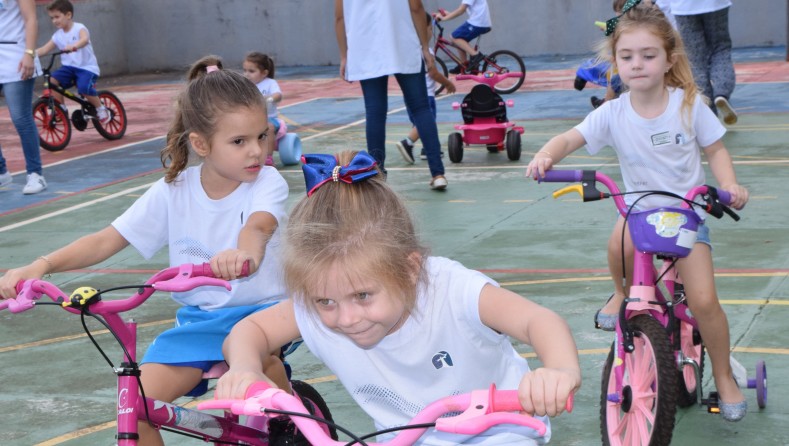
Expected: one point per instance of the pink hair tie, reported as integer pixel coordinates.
(211, 68)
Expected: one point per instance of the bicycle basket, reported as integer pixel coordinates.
(665, 231)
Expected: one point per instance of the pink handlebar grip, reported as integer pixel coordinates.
(256, 388)
(206, 271)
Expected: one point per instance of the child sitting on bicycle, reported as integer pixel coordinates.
(659, 129)
(259, 68)
(478, 23)
(79, 65)
(226, 210)
(432, 77)
(398, 327)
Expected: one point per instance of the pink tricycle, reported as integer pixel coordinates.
(485, 119)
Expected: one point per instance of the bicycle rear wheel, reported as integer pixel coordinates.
(505, 61)
(54, 127)
(116, 127)
(645, 414)
(442, 68)
(692, 348)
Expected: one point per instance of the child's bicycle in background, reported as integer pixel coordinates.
(54, 126)
(485, 119)
(132, 405)
(499, 62)
(471, 414)
(657, 359)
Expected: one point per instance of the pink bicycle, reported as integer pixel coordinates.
(485, 121)
(480, 410)
(131, 401)
(657, 359)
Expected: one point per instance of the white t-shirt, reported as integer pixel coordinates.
(268, 87)
(442, 349)
(693, 7)
(82, 58)
(194, 227)
(478, 13)
(381, 39)
(654, 154)
(12, 42)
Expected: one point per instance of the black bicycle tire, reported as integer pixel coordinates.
(644, 325)
(307, 391)
(519, 60)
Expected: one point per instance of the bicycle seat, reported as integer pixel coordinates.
(483, 101)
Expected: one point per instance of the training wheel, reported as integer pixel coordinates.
(289, 148)
(760, 383)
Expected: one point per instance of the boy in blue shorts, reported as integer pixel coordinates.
(478, 23)
(79, 65)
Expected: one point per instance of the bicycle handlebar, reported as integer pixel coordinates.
(717, 200)
(174, 279)
(481, 409)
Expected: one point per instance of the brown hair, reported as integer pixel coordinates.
(363, 228)
(198, 106)
(263, 62)
(62, 6)
(653, 20)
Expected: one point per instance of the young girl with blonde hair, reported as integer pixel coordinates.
(399, 328)
(659, 128)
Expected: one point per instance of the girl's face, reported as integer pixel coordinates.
(641, 60)
(235, 152)
(361, 309)
(253, 72)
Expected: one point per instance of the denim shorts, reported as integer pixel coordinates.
(703, 235)
(468, 32)
(85, 81)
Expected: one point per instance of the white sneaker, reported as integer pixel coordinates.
(35, 184)
(5, 179)
(726, 111)
(103, 114)
(438, 183)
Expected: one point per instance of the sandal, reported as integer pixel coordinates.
(605, 321)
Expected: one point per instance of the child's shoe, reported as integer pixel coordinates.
(407, 150)
(103, 114)
(439, 182)
(456, 70)
(473, 63)
(5, 179)
(423, 155)
(596, 102)
(726, 111)
(35, 184)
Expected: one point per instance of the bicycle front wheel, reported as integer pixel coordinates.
(54, 127)
(645, 414)
(442, 68)
(505, 61)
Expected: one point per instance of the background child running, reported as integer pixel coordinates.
(225, 210)
(398, 327)
(259, 68)
(659, 129)
(433, 76)
(79, 66)
(478, 23)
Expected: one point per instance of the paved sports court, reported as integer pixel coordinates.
(55, 389)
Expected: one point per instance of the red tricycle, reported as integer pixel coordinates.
(485, 119)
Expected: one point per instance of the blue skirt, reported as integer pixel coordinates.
(196, 340)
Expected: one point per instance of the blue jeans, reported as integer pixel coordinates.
(416, 102)
(19, 97)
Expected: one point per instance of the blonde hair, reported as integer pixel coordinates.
(363, 228)
(207, 95)
(653, 20)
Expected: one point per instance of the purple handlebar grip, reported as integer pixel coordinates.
(724, 197)
(562, 176)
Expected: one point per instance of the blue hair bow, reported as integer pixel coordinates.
(321, 168)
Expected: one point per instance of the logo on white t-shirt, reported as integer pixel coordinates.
(661, 139)
(442, 359)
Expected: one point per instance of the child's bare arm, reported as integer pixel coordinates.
(84, 38)
(441, 79)
(251, 247)
(555, 150)
(723, 169)
(451, 15)
(543, 391)
(45, 48)
(251, 341)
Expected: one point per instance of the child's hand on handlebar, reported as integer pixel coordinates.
(13, 276)
(229, 264)
(739, 195)
(545, 391)
(539, 165)
(234, 383)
